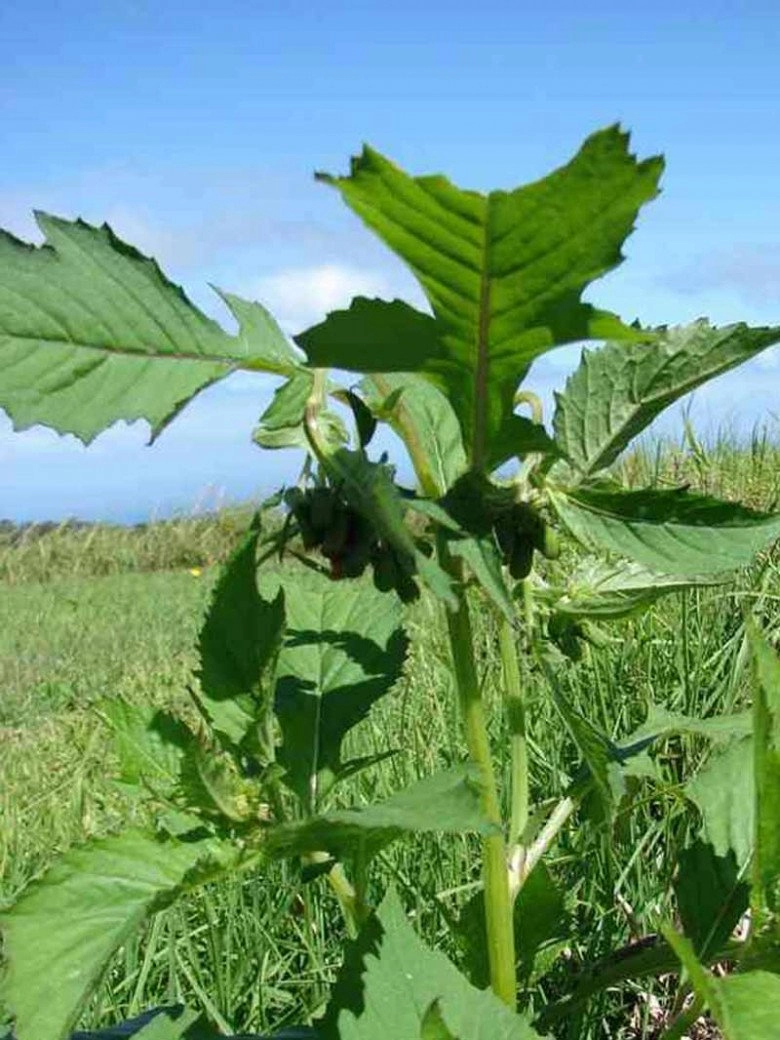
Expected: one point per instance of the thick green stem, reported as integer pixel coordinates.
(498, 907)
(515, 708)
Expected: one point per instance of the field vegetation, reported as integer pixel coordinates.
(551, 663)
(89, 613)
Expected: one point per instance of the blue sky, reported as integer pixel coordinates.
(194, 130)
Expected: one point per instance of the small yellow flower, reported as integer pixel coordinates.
(195, 572)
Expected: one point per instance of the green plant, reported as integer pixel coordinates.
(291, 661)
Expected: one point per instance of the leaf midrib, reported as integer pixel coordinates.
(483, 343)
(112, 351)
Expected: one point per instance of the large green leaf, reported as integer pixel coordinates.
(238, 640)
(711, 897)
(766, 730)
(63, 930)
(390, 980)
(91, 331)
(597, 589)
(423, 417)
(724, 792)
(747, 1005)
(344, 648)
(504, 274)
(674, 532)
(618, 390)
(447, 802)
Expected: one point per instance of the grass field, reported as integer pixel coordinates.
(101, 612)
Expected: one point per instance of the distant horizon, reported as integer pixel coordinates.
(209, 500)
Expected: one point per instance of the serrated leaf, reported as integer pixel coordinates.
(63, 930)
(343, 649)
(724, 793)
(239, 638)
(448, 802)
(766, 730)
(390, 979)
(263, 344)
(619, 389)
(91, 331)
(150, 743)
(660, 724)
(711, 897)
(673, 532)
(421, 414)
(598, 589)
(504, 274)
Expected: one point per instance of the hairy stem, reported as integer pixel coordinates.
(498, 907)
(312, 412)
(352, 908)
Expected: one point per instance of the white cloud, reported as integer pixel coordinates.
(301, 296)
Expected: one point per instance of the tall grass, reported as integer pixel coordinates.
(259, 952)
(46, 552)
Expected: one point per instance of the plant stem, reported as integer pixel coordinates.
(353, 910)
(312, 411)
(498, 907)
(515, 707)
(525, 859)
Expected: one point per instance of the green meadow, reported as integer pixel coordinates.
(95, 612)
